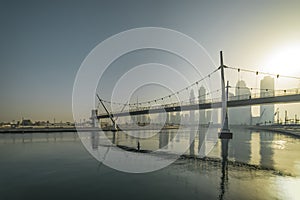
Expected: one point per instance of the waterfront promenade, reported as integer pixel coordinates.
(79, 129)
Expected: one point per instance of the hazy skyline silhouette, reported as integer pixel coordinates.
(44, 42)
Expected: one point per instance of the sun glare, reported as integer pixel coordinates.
(284, 61)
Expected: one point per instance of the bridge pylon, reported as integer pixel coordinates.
(114, 124)
(225, 132)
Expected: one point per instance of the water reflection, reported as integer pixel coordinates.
(163, 139)
(114, 134)
(55, 162)
(224, 167)
(94, 140)
(192, 141)
(269, 150)
(201, 142)
(266, 151)
(25, 138)
(241, 146)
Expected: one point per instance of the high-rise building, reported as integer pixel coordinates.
(209, 116)
(240, 115)
(192, 112)
(175, 118)
(162, 118)
(267, 90)
(168, 118)
(241, 90)
(202, 99)
(171, 118)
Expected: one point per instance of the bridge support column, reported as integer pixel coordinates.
(225, 132)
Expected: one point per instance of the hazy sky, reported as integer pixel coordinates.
(43, 43)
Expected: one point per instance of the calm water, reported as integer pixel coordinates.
(57, 166)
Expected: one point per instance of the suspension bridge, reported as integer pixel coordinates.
(255, 96)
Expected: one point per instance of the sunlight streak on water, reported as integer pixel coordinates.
(279, 144)
(255, 148)
(288, 187)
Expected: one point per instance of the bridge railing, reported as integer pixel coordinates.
(267, 93)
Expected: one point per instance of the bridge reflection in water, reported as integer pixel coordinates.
(241, 149)
(270, 150)
(252, 147)
(226, 165)
(224, 176)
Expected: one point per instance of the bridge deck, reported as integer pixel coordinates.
(232, 103)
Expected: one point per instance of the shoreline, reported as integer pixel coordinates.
(72, 129)
(281, 129)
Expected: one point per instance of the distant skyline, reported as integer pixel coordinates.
(43, 43)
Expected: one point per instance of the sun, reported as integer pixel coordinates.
(284, 61)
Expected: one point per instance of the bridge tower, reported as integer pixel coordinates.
(225, 132)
